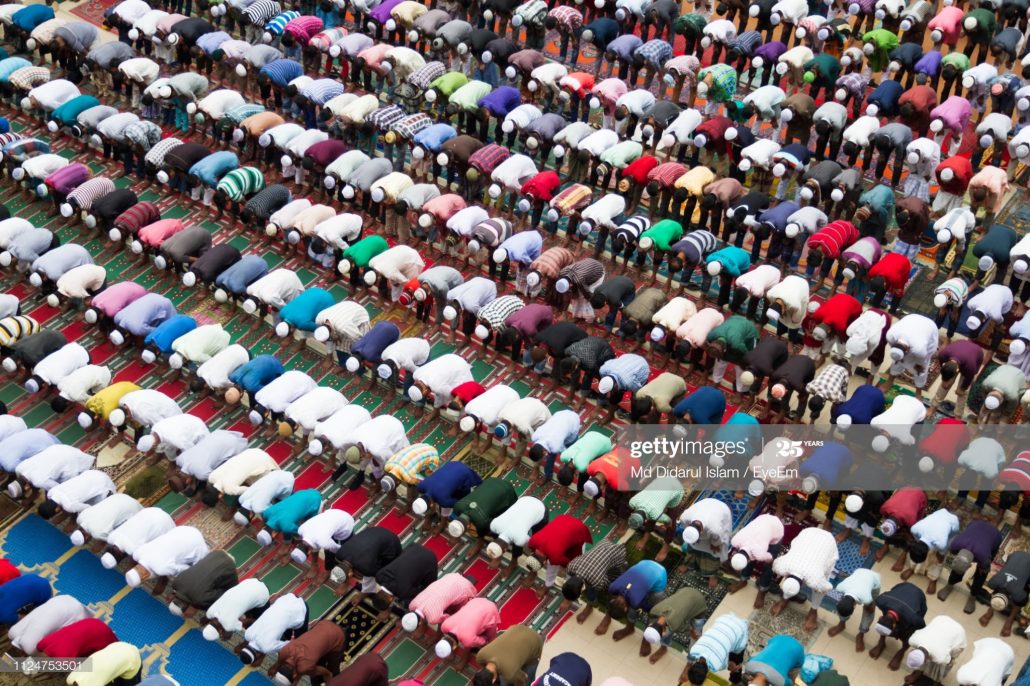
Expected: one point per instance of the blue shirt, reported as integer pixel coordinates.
(566, 669)
(827, 463)
(742, 427)
(638, 582)
(501, 100)
(69, 111)
(523, 247)
(22, 591)
(865, 403)
(371, 346)
(11, 65)
(256, 374)
(142, 316)
(776, 217)
(213, 167)
(726, 636)
(706, 405)
(209, 42)
(165, 334)
(451, 482)
(300, 312)
(23, 445)
(432, 137)
(281, 72)
(32, 16)
(236, 278)
(886, 96)
(735, 261)
(778, 659)
(558, 432)
(288, 514)
(629, 371)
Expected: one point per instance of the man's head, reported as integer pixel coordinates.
(697, 673)
(618, 608)
(918, 551)
(845, 607)
(573, 587)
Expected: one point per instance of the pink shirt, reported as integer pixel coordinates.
(696, 329)
(444, 206)
(449, 591)
(755, 538)
(475, 624)
(304, 27)
(609, 91)
(949, 21)
(114, 298)
(165, 25)
(157, 233)
(954, 113)
(996, 181)
(374, 55)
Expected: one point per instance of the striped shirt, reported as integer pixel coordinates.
(322, 91)
(280, 72)
(665, 174)
(237, 114)
(573, 198)
(631, 229)
(277, 25)
(261, 11)
(268, 200)
(412, 464)
(496, 312)
(239, 183)
(746, 43)
(304, 27)
(584, 273)
(85, 194)
(410, 126)
(324, 40)
(552, 261)
(695, 245)
(136, 217)
(14, 328)
(834, 237)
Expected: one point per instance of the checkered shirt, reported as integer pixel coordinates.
(488, 157)
(386, 118)
(569, 18)
(831, 384)
(497, 311)
(423, 76)
(601, 565)
(412, 125)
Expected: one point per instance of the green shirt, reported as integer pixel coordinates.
(621, 154)
(644, 305)
(830, 677)
(485, 502)
(664, 234)
(985, 23)
(885, 41)
(957, 60)
(449, 82)
(681, 607)
(586, 449)
(827, 67)
(739, 333)
(468, 96)
(364, 250)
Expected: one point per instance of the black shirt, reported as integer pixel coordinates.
(114, 203)
(203, 583)
(1013, 577)
(215, 261)
(767, 356)
(370, 549)
(616, 290)
(191, 29)
(182, 157)
(559, 336)
(31, 349)
(409, 574)
(479, 39)
(796, 372)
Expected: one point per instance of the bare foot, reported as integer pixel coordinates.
(624, 632)
(776, 609)
(842, 536)
(602, 628)
(581, 617)
(881, 553)
(876, 651)
(835, 629)
(658, 655)
(906, 575)
(985, 619)
(860, 643)
(895, 663)
(736, 586)
(863, 549)
(931, 588)
(812, 620)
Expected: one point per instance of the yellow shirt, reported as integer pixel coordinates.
(117, 661)
(106, 400)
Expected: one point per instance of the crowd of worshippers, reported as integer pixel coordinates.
(505, 162)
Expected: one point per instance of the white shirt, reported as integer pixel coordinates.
(407, 353)
(219, 102)
(793, 291)
(343, 165)
(327, 530)
(101, 519)
(382, 437)
(514, 171)
(347, 319)
(674, 313)
(920, 333)
(267, 490)
(525, 414)
(995, 301)
(897, 420)
(936, 529)
(985, 456)
(681, 130)
(78, 282)
(145, 525)
(990, 665)
(232, 475)
(315, 405)
(53, 94)
(766, 99)
(12, 228)
(464, 220)
(145, 70)
(8, 305)
(299, 144)
(487, 406)
(473, 294)
(276, 288)
(340, 231)
(62, 362)
(148, 406)
(287, 612)
(862, 584)
(524, 115)
(860, 131)
(234, 603)
(761, 152)
(280, 392)
(398, 264)
(942, 638)
(515, 525)
(811, 558)
(82, 490)
(759, 280)
(549, 74)
(173, 552)
(717, 520)
(721, 30)
(131, 10)
(10, 425)
(200, 344)
(54, 614)
(281, 135)
(215, 372)
(54, 465)
(604, 211)
(598, 141)
(552, 434)
(442, 374)
(808, 219)
(345, 422)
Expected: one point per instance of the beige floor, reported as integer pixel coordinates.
(608, 658)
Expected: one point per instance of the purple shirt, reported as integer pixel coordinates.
(382, 12)
(771, 51)
(967, 354)
(929, 63)
(531, 319)
(501, 100)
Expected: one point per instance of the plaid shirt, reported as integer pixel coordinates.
(573, 198)
(156, 155)
(569, 18)
(601, 565)
(656, 52)
(665, 174)
(854, 83)
(831, 384)
(412, 464)
(488, 157)
(724, 81)
(28, 78)
(412, 125)
(143, 133)
(423, 76)
(656, 498)
(532, 12)
(240, 112)
(385, 118)
(496, 312)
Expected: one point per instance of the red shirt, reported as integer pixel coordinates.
(905, 506)
(894, 268)
(616, 466)
(542, 186)
(78, 639)
(562, 539)
(8, 571)
(639, 168)
(467, 391)
(948, 439)
(715, 129)
(963, 169)
(837, 313)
